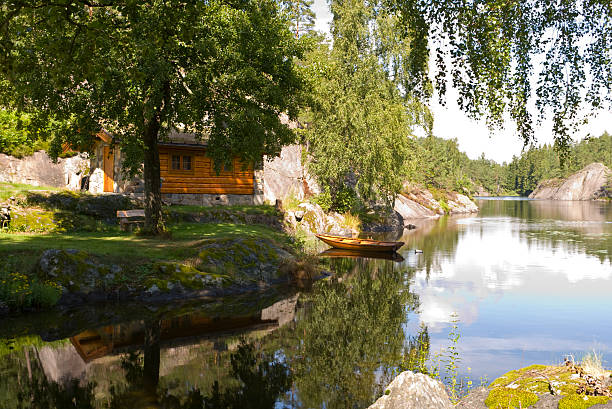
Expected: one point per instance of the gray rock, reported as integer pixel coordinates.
(409, 209)
(474, 400)
(413, 391)
(154, 289)
(586, 184)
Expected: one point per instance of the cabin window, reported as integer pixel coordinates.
(176, 162)
(181, 164)
(186, 162)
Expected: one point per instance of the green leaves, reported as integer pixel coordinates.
(525, 59)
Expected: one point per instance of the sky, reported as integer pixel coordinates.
(474, 137)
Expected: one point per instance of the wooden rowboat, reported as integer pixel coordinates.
(348, 243)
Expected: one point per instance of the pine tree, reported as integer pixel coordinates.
(300, 14)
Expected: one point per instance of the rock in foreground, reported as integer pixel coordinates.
(587, 184)
(413, 391)
(220, 267)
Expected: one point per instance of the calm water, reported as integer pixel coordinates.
(528, 281)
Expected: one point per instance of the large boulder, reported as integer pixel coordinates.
(590, 183)
(75, 271)
(413, 391)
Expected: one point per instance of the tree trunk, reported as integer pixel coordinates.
(154, 223)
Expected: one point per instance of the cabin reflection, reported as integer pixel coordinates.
(179, 331)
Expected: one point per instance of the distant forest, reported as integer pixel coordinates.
(440, 164)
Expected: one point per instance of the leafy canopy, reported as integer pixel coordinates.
(221, 69)
(359, 119)
(524, 58)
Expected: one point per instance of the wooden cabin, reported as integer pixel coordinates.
(188, 175)
(187, 169)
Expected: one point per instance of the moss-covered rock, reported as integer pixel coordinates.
(218, 265)
(244, 261)
(170, 276)
(524, 387)
(102, 207)
(76, 271)
(33, 220)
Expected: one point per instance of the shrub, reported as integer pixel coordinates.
(19, 291)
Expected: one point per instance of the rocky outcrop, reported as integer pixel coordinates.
(286, 175)
(410, 209)
(418, 203)
(592, 182)
(311, 218)
(413, 391)
(39, 170)
(220, 267)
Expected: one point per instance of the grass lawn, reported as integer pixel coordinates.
(257, 209)
(19, 189)
(129, 248)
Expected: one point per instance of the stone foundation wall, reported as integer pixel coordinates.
(209, 200)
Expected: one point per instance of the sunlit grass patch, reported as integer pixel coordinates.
(20, 189)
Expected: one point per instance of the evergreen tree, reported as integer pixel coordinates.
(300, 15)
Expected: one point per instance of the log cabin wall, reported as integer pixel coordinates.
(187, 170)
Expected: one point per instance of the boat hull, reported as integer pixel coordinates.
(348, 243)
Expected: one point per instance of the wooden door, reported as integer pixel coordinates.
(109, 161)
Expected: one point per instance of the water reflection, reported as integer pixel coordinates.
(530, 282)
(335, 347)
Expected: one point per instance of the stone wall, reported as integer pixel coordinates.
(39, 170)
(208, 200)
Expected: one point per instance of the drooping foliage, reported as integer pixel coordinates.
(359, 120)
(223, 70)
(522, 58)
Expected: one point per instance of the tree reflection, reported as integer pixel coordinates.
(352, 336)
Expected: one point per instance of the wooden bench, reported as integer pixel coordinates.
(130, 218)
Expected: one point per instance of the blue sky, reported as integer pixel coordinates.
(473, 136)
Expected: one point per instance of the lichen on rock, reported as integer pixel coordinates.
(75, 271)
(243, 260)
(524, 387)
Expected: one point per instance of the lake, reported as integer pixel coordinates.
(522, 282)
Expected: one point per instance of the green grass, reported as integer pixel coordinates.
(251, 209)
(120, 246)
(20, 189)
